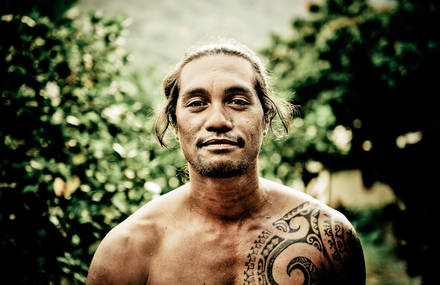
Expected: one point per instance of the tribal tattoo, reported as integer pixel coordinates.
(296, 233)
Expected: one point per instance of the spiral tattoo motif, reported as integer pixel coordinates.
(298, 228)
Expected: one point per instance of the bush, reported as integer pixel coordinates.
(77, 151)
(365, 77)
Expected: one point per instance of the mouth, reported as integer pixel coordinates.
(219, 142)
(223, 142)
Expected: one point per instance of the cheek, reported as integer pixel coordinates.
(256, 128)
(259, 121)
(185, 131)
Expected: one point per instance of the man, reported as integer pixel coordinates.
(227, 225)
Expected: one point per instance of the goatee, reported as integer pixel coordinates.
(221, 170)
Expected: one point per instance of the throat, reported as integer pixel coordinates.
(227, 198)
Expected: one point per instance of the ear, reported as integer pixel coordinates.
(176, 133)
(266, 127)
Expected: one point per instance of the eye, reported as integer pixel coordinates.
(195, 104)
(239, 102)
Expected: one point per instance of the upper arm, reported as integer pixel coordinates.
(119, 259)
(344, 249)
(311, 243)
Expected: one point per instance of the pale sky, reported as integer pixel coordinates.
(162, 30)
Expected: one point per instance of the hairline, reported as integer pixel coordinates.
(254, 75)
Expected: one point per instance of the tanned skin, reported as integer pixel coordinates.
(228, 225)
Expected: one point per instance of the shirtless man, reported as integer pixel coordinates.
(227, 225)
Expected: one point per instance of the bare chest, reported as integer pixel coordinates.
(266, 254)
(193, 257)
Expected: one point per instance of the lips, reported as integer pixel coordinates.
(219, 142)
(216, 141)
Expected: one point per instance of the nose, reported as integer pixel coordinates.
(218, 120)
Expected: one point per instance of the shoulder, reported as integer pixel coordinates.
(307, 221)
(293, 201)
(343, 247)
(123, 255)
(119, 251)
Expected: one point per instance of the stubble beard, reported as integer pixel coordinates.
(223, 169)
(217, 167)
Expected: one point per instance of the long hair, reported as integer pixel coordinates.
(272, 106)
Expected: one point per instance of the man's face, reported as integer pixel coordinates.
(220, 122)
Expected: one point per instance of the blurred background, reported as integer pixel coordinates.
(81, 82)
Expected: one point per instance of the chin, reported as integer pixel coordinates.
(221, 170)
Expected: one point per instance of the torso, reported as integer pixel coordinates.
(295, 241)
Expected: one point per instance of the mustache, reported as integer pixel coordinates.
(238, 140)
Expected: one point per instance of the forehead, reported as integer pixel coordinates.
(217, 69)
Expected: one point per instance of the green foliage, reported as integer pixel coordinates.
(54, 10)
(374, 227)
(77, 151)
(365, 78)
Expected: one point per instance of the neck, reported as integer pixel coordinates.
(232, 198)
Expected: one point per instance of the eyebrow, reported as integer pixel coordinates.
(231, 90)
(238, 89)
(194, 92)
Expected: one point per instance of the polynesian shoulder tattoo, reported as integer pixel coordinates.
(308, 229)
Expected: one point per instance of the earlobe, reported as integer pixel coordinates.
(266, 126)
(176, 134)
